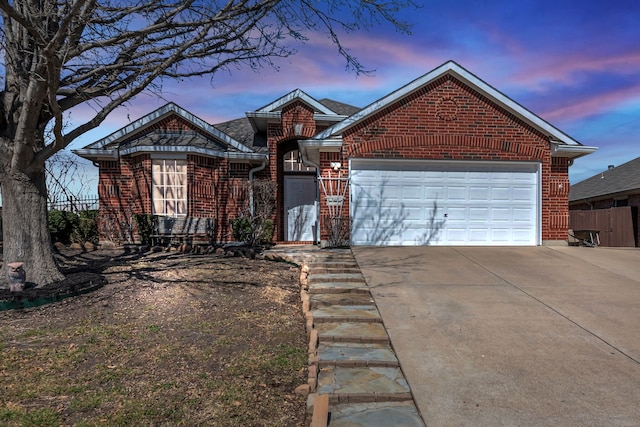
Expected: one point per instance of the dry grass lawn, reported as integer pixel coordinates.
(170, 340)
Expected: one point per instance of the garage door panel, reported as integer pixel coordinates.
(478, 235)
(459, 193)
(523, 215)
(501, 194)
(491, 203)
(479, 193)
(524, 194)
(480, 213)
(414, 213)
(412, 192)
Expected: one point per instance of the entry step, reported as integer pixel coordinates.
(354, 332)
(338, 287)
(347, 313)
(324, 300)
(388, 414)
(360, 385)
(356, 355)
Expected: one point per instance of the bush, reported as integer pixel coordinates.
(62, 225)
(242, 229)
(68, 227)
(252, 231)
(86, 229)
(145, 224)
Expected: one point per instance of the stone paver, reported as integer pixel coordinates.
(336, 277)
(383, 414)
(352, 332)
(351, 359)
(356, 355)
(349, 313)
(376, 381)
(322, 300)
(338, 287)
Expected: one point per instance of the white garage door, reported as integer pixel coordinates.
(404, 202)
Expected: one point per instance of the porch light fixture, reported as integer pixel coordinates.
(336, 166)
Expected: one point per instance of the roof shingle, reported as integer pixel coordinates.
(623, 178)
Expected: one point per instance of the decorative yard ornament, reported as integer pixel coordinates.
(16, 276)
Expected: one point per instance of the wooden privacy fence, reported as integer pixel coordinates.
(616, 225)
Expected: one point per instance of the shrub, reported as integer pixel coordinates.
(145, 224)
(242, 229)
(62, 225)
(86, 229)
(252, 231)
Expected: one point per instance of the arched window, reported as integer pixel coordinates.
(293, 163)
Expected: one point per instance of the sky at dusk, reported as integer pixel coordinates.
(575, 64)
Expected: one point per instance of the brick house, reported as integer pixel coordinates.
(445, 160)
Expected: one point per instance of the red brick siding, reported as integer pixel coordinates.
(282, 138)
(214, 190)
(447, 120)
(116, 200)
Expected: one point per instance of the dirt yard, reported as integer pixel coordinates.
(170, 340)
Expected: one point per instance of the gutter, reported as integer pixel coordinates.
(560, 149)
(115, 154)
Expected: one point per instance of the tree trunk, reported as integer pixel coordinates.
(26, 235)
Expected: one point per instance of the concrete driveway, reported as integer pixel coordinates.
(535, 336)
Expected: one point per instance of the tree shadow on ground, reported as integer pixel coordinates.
(88, 271)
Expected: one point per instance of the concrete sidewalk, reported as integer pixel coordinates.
(534, 336)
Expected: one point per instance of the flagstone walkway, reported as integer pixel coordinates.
(352, 365)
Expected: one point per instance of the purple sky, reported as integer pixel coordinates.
(574, 63)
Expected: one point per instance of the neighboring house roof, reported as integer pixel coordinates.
(562, 144)
(614, 181)
(204, 139)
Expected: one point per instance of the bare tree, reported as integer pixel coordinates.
(66, 178)
(99, 54)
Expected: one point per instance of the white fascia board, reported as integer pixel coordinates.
(571, 151)
(159, 114)
(325, 145)
(453, 68)
(192, 150)
(328, 118)
(94, 153)
(263, 115)
(259, 120)
(290, 97)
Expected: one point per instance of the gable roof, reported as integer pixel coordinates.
(323, 110)
(292, 96)
(242, 131)
(562, 144)
(615, 180)
(339, 107)
(206, 140)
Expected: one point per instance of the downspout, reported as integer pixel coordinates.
(251, 173)
(303, 153)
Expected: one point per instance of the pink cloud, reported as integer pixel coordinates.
(594, 105)
(565, 68)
